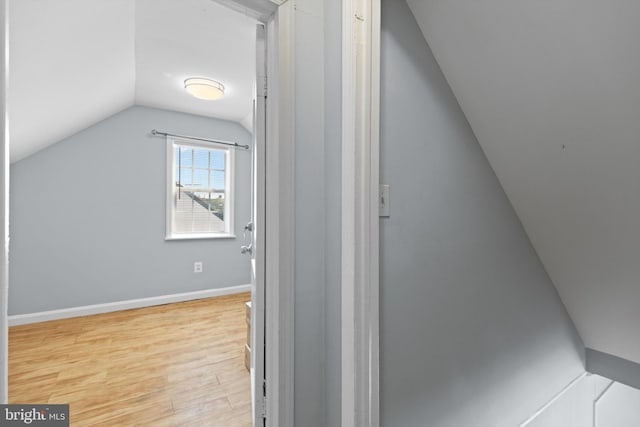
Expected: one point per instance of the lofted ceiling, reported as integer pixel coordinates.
(551, 89)
(74, 63)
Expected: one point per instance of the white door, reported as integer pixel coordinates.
(257, 230)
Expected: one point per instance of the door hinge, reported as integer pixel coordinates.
(262, 86)
(263, 410)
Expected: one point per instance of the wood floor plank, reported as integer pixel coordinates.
(172, 365)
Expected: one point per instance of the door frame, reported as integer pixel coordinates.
(279, 207)
(257, 245)
(360, 213)
(279, 212)
(4, 201)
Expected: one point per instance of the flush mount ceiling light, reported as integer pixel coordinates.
(202, 88)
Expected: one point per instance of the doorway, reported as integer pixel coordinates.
(95, 193)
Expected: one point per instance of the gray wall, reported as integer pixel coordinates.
(574, 407)
(73, 244)
(472, 329)
(619, 407)
(310, 227)
(614, 367)
(317, 213)
(332, 209)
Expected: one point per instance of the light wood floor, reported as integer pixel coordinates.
(172, 365)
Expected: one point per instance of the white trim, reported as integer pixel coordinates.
(279, 272)
(554, 399)
(594, 410)
(360, 182)
(169, 180)
(4, 202)
(374, 218)
(260, 10)
(348, 278)
(200, 236)
(258, 217)
(87, 310)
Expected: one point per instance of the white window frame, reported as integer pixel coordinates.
(229, 190)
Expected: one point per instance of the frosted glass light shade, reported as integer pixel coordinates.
(202, 88)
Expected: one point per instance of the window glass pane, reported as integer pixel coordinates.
(196, 213)
(203, 199)
(201, 178)
(217, 180)
(186, 156)
(200, 158)
(186, 176)
(217, 204)
(217, 159)
(196, 208)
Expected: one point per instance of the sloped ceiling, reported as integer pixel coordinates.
(551, 89)
(74, 63)
(71, 65)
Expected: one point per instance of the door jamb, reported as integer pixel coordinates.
(360, 221)
(279, 274)
(279, 213)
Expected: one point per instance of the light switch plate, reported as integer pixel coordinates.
(384, 200)
(197, 267)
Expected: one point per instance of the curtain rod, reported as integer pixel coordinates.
(232, 144)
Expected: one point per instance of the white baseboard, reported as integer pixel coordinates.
(554, 399)
(65, 313)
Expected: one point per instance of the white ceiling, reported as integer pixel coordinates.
(176, 39)
(74, 63)
(552, 90)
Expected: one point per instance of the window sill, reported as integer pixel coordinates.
(200, 236)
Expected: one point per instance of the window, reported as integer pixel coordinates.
(199, 190)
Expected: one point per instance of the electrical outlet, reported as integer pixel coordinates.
(197, 267)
